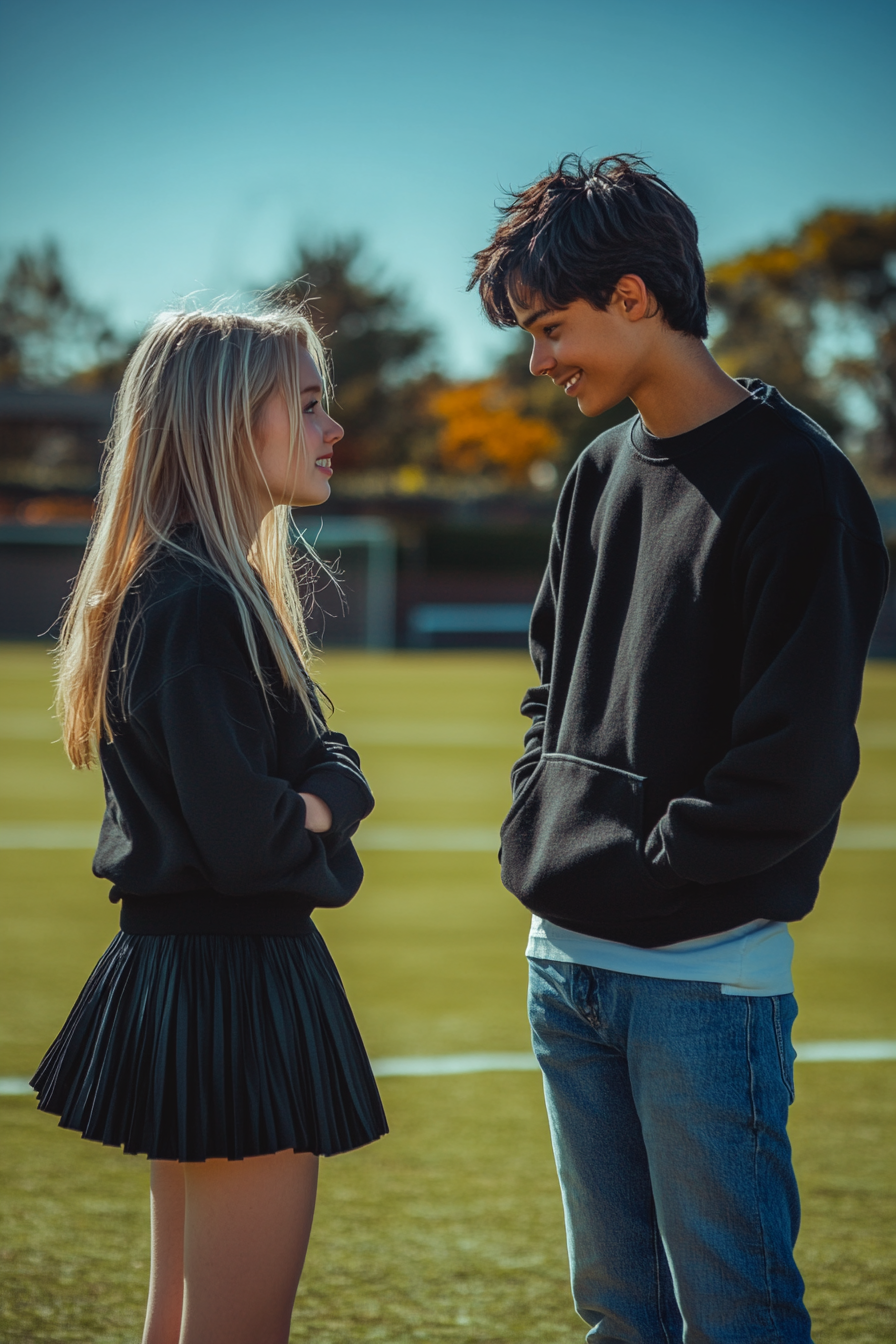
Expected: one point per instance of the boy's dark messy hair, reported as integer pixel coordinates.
(574, 233)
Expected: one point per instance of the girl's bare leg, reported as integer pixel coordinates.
(166, 1275)
(245, 1234)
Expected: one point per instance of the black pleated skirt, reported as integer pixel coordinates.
(193, 1046)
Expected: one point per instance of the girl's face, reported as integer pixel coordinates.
(293, 474)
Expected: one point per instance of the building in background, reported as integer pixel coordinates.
(419, 561)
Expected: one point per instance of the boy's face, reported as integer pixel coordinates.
(599, 356)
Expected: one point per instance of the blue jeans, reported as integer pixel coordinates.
(667, 1103)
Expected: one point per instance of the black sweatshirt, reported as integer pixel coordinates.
(204, 827)
(700, 635)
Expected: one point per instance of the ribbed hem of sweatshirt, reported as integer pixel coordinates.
(268, 913)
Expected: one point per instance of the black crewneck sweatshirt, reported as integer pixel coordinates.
(204, 829)
(700, 636)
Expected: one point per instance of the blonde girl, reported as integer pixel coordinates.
(214, 1034)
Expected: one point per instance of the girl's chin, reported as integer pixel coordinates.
(318, 496)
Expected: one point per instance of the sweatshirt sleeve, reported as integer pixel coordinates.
(336, 778)
(811, 597)
(541, 647)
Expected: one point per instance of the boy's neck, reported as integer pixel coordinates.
(682, 387)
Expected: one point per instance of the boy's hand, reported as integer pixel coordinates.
(318, 817)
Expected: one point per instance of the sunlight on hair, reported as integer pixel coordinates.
(182, 449)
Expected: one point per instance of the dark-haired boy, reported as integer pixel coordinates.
(714, 578)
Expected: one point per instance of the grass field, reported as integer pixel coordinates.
(450, 1228)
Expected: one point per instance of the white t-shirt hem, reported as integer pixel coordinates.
(753, 960)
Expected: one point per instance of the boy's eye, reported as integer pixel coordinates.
(550, 328)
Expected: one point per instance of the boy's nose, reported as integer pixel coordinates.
(541, 361)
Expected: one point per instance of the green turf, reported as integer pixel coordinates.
(450, 1228)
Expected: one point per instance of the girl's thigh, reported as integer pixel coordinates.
(246, 1231)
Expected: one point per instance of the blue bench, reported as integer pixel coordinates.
(466, 618)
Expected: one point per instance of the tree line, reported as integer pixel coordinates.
(814, 314)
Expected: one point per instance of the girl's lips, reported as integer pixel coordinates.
(325, 465)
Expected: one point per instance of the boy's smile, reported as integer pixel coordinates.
(596, 355)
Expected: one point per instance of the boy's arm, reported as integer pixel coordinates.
(811, 599)
(541, 647)
(535, 707)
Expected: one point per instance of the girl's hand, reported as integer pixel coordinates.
(318, 817)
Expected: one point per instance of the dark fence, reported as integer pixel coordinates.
(37, 567)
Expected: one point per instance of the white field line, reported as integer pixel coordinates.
(825, 1052)
(428, 1066)
(431, 1066)
(437, 1066)
(29, 725)
(485, 839)
(430, 733)
(408, 839)
(36, 725)
(878, 734)
(15, 1087)
(423, 839)
(49, 834)
(866, 835)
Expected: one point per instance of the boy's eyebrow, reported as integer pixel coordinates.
(542, 312)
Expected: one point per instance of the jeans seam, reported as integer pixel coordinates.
(782, 1054)
(754, 1124)
(659, 1250)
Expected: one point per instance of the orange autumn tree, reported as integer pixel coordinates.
(815, 314)
(482, 429)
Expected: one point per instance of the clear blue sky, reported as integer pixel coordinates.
(179, 147)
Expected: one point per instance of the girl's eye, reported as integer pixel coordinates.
(306, 410)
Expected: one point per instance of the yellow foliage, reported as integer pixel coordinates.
(816, 245)
(482, 428)
(410, 479)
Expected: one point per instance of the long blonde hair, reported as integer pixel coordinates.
(182, 448)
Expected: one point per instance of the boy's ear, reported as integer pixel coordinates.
(632, 299)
